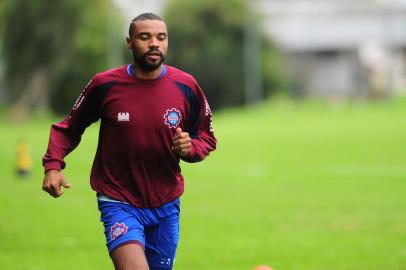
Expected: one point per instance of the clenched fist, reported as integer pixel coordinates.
(182, 143)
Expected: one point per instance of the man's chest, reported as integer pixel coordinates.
(148, 108)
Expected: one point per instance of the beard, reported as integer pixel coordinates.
(147, 65)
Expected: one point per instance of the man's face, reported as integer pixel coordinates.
(149, 43)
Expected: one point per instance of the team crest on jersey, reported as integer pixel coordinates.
(117, 230)
(172, 117)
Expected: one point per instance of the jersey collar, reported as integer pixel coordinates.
(131, 72)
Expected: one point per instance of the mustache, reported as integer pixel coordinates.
(154, 51)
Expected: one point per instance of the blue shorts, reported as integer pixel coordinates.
(157, 229)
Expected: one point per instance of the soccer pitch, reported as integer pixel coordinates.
(292, 185)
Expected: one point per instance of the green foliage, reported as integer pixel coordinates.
(66, 38)
(207, 40)
(32, 36)
(1, 17)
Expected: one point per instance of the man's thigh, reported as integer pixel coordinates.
(121, 225)
(161, 242)
(129, 257)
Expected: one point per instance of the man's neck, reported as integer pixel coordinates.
(147, 75)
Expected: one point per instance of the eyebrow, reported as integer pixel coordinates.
(149, 33)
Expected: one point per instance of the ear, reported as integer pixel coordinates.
(129, 43)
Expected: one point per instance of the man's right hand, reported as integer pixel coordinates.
(53, 181)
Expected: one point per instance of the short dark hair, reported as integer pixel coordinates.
(143, 17)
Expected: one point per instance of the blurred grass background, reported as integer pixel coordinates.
(309, 185)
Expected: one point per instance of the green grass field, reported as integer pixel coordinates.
(295, 186)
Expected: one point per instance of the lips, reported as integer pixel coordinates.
(154, 55)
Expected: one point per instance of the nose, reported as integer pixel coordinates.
(154, 43)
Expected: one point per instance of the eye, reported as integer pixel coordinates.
(162, 37)
(143, 36)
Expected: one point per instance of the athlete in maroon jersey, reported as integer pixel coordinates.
(152, 115)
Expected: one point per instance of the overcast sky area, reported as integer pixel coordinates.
(132, 8)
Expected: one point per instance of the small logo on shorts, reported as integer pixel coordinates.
(172, 118)
(117, 230)
(165, 261)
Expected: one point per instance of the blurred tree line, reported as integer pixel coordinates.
(208, 39)
(51, 48)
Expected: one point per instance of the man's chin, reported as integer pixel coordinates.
(154, 64)
(150, 66)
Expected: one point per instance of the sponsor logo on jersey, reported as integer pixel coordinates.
(118, 230)
(123, 117)
(172, 117)
(208, 110)
(208, 113)
(211, 125)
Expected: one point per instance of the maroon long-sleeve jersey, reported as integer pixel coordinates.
(134, 161)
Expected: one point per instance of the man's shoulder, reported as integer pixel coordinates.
(110, 75)
(181, 76)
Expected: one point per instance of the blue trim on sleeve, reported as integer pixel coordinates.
(195, 106)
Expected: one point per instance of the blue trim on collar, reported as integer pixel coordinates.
(163, 72)
(130, 71)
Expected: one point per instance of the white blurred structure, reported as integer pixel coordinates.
(132, 8)
(334, 48)
(341, 47)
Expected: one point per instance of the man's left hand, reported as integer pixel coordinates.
(182, 143)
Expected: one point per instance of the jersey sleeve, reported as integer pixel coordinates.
(66, 135)
(201, 129)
